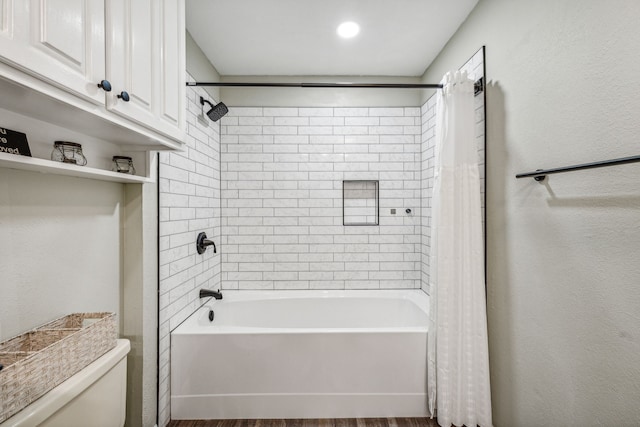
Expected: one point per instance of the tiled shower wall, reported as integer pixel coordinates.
(189, 203)
(276, 207)
(282, 173)
(428, 115)
(475, 69)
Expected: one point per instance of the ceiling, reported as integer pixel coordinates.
(298, 37)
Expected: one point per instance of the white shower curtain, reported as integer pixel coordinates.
(458, 358)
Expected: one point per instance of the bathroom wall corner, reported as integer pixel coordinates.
(139, 301)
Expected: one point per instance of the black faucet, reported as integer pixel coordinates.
(204, 293)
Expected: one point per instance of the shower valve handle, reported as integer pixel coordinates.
(202, 243)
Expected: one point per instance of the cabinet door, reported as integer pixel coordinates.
(172, 78)
(59, 41)
(6, 21)
(141, 63)
(132, 55)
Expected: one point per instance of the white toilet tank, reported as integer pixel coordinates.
(94, 397)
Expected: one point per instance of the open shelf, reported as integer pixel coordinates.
(13, 161)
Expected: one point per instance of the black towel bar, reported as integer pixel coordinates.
(540, 174)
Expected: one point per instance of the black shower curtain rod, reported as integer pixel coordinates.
(478, 86)
(321, 85)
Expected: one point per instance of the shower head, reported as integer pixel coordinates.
(216, 111)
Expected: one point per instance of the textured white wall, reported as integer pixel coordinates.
(282, 173)
(139, 300)
(563, 294)
(60, 241)
(199, 67)
(189, 204)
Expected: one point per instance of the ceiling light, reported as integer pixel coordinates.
(348, 29)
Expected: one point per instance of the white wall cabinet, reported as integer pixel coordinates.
(72, 45)
(145, 59)
(60, 41)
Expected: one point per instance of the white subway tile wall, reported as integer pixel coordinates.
(189, 203)
(475, 69)
(428, 111)
(282, 174)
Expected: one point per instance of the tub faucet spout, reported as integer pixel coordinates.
(204, 293)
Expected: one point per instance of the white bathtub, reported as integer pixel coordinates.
(302, 354)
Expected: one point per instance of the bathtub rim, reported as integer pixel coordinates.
(189, 326)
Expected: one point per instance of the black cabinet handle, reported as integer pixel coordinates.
(105, 85)
(124, 95)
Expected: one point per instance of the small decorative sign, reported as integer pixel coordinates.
(13, 142)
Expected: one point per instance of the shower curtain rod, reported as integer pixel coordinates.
(478, 85)
(321, 85)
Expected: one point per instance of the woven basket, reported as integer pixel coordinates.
(39, 360)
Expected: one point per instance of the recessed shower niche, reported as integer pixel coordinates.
(360, 203)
